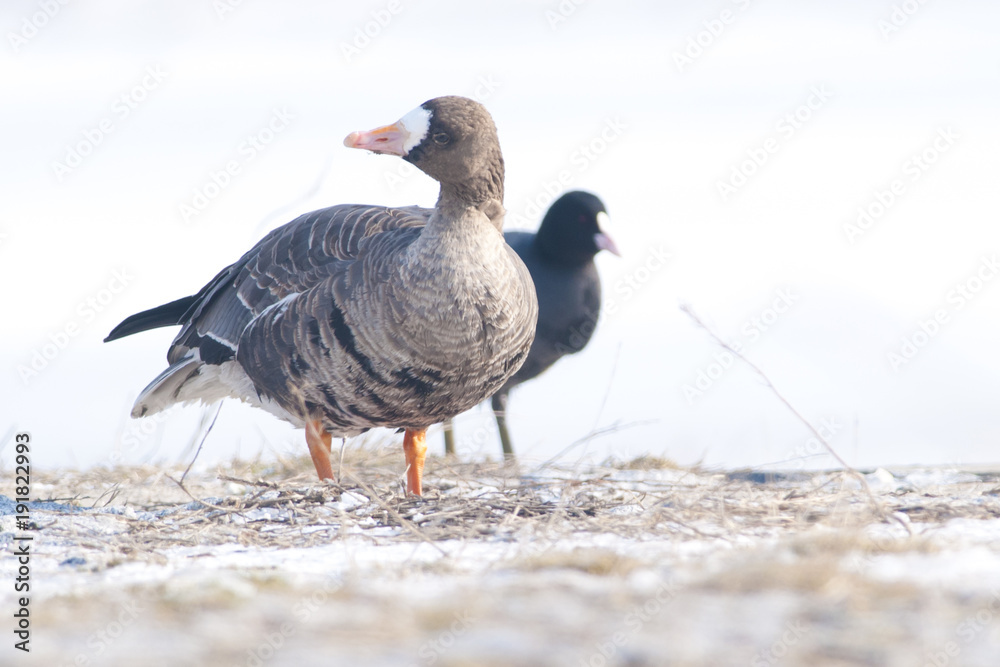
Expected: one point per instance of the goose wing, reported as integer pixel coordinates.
(289, 260)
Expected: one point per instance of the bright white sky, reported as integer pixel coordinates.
(832, 102)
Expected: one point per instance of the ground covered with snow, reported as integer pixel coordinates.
(637, 563)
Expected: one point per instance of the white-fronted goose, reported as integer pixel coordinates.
(354, 317)
(560, 257)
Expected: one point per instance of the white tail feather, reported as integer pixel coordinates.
(186, 380)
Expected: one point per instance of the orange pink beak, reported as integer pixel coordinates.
(388, 140)
(396, 139)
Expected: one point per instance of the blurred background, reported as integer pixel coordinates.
(817, 182)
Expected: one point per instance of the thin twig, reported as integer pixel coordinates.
(405, 523)
(180, 483)
(259, 482)
(340, 466)
(305, 196)
(687, 310)
(596, 433)
(607, 393)
(200, 444)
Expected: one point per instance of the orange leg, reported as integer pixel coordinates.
(415, 449)
(319, 442)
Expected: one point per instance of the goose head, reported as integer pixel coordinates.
(451, 139)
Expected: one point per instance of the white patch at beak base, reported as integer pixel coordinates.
(415, 124)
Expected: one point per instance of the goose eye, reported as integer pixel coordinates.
(441, 139)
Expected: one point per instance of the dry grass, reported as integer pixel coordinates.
(281, 505)
(646, 462)
(547, 564)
